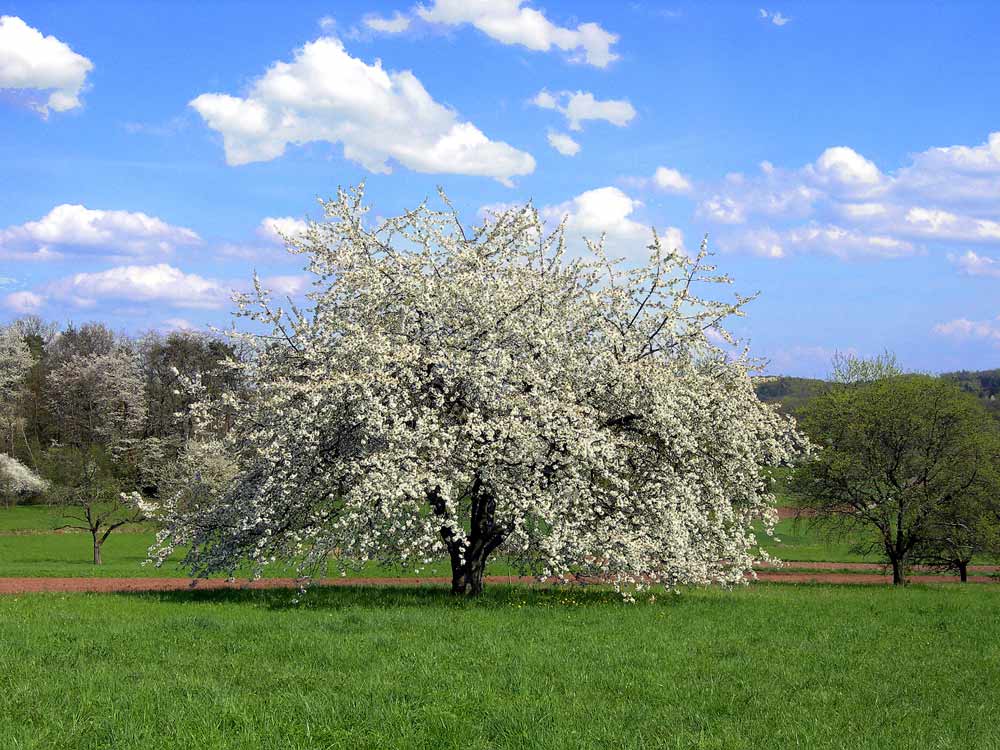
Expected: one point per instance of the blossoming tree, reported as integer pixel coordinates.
(453, 392)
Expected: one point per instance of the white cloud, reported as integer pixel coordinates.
(286, 286)
(395, 25)
(159, 283)
(581, 106)
(941, 197)
(843, 167)
(30, 60)
(671, 180)
(774, 17)
(608, 210)
(824, 239)
(961, 328)
(277, 228)
(509, 22)
(971, 264)
(23, 302)
(563, 143)
(72, 227)
(179, 324)
(324, 94)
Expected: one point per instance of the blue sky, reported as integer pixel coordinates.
(838, 155)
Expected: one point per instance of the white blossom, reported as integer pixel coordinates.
(450, 392)
(18, 479)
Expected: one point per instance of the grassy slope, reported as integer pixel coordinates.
(767, 667)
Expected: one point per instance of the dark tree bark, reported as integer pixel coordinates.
(898, 572)
(469, 558)
(963, 571)
(97, 550)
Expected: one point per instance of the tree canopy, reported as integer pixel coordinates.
(454, 391)
(911, 458)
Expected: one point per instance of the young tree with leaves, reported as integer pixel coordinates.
(901, 460)
(87, 483)
(453, 392)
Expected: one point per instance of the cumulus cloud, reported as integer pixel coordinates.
(511, 22)
(71, 228)
(395, 25)
(961, 329)
(563, 143)
(608, 210)
(160, 283)
(774, 17)
(324, 94)
(288, 285)
(819, 239)
(30, 60)
(278, 228)
(23, 302)
(671, 181)
(580, 106)
(942, 197)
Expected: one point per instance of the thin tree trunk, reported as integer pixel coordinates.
(963, 571)
(97, 551)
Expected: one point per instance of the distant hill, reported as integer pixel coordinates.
(983, 383)
(791, 394)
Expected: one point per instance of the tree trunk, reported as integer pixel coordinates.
(97, 551)
(898, 575)
(963, 571)
(467, 576)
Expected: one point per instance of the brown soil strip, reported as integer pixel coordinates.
(803, 565)
(102, 585)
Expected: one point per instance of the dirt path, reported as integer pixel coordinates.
(37, 585)
(802, 565)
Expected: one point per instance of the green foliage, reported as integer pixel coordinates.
(984, 385)
(770, 668)
(898, 456)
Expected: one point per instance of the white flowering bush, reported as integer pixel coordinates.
(16, 479)
(453, 392)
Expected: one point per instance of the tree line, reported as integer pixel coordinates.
(89, 415)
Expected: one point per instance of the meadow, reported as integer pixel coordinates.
(769, 666)
(29, 546)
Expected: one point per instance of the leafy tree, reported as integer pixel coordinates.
(15, 363)
(852, 369)
(967, 527)
(901, 457)
(87, 483)
(456, 393)
(98, 399)
(169, 361)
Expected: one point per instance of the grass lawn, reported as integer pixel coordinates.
(799, 540)
(766, 667)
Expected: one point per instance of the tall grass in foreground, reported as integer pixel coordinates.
(766, 667)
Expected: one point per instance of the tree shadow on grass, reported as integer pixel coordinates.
(390, 597)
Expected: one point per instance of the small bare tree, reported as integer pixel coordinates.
(89, 491)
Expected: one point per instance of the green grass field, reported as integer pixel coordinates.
(28, 547)
(765, 667)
